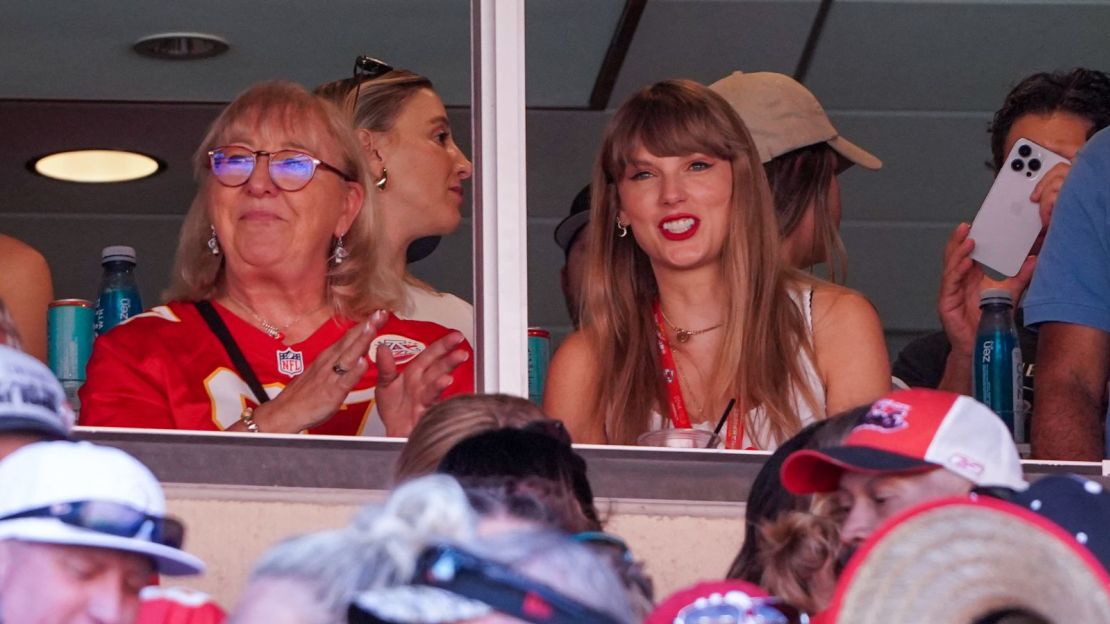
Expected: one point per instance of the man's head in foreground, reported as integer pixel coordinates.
(33, 405)
(911, 447)
(82, 530)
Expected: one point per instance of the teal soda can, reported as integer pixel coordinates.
(69, 340)
(539, 355)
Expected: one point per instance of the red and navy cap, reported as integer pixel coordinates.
(914, 431)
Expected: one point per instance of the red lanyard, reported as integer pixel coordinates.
(680, 418)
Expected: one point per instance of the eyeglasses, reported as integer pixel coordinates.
(291, 170)
(111, 518)
(367, 68)
(736, 607)
(469, 576)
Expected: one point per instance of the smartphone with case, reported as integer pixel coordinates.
(1007, 224)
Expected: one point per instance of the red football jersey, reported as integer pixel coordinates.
(165, 369)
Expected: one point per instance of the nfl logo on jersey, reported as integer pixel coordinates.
(290, 362)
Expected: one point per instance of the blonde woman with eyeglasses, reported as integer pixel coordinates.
(276, 319)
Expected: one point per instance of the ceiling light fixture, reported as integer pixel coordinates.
(95, 166)
(181, 46)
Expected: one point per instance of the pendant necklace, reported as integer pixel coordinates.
(272, 330)
(684, 335)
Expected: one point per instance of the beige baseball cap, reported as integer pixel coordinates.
(783, 116)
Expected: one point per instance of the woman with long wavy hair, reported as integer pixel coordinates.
(688, 304)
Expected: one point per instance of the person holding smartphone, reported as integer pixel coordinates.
(1058, 111)
(1069, 302)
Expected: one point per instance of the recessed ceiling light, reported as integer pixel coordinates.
(181, 46)
(95, 166)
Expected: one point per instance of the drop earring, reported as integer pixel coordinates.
(622, 228)
(340, 253)
(381, 182)
(214, 243)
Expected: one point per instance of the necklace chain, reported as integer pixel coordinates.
(271, 329)
(684, 335)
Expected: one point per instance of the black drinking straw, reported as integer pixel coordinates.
(721, 423)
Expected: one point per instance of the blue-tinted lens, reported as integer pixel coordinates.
(291, 171)
(111, 518)
(232, 166)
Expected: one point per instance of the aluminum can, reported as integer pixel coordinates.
(539, 355)
(69, 339)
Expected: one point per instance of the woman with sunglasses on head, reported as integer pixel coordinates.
(271, 323)
(688, 305)
(418, 173)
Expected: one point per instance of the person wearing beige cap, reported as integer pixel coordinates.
(802, 153)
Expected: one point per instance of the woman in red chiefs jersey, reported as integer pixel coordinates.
(271, 325)
(688, 306)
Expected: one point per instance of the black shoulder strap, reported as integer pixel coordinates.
(218, 327)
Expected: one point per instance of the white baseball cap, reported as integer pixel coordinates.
(915, 431)
(783, 116)
(31, 399)
(60, 475)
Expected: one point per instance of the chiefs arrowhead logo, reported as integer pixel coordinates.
(403, 349)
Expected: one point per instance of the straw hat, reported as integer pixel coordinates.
(956, 560)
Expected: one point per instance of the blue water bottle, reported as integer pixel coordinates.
(119, 294)
(996, 378)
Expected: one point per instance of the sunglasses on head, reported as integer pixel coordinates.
(290, 170)
(367, 68)
(505, 591)
(111, 518)
(736, 607)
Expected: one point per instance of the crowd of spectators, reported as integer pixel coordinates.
(292, 311)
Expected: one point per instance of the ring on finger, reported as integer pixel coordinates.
(340, 369)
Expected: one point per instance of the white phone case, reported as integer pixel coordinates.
(1008, 223)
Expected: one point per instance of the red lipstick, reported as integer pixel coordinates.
(679, 227)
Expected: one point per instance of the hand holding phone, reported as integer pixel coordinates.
(1008, 222)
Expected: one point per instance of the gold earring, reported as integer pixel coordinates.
(380, 183)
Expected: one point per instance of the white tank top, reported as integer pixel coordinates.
(758, 432)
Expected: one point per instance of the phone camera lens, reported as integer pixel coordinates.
(1025, 151)
(1034, 165)
(1017, 164)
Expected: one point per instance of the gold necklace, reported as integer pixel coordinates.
(272, 330)
(684, 335)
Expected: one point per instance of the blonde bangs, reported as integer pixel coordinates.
(668, 122)
(765, 330)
